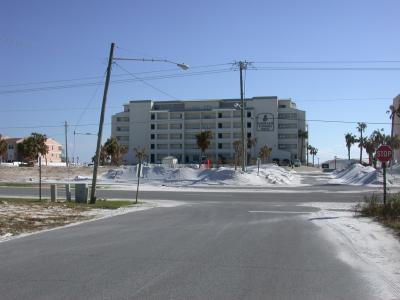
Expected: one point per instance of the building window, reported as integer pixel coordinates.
(153, 116)
(282, 106)
(152, 146)
(122, 138)
(162, 116)
(175, 126)
(122, 119)
(123, 128)
(152, 136)
(219, 125)
(174, 116)
(175, 136)
(287, 136)
(248, 124)
(287, 146)
(152, 126)
(176, 146)
(219, 115)
(288, 116)
(287, 126)
(220, 135)
(219, 146)
(249, 134)
(249, 114)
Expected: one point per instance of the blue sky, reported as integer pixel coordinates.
(58, 40)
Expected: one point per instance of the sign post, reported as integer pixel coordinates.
(138, 174)
(384, 154)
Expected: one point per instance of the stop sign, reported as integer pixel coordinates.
(384, 153)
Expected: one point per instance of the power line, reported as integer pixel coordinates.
(145, 122)
(50, 126)
(328, 69)
(343, 99)
(207, 66)
(327, 62)
(146, 83)
(48, 88)
(115, 107)
(100, 77)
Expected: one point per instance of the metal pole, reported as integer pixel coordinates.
(40, 178)
(244, 152)
(99, 135)
(138, 179)
(66, 144)
(384, 183)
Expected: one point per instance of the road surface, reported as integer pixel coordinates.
(227, 245)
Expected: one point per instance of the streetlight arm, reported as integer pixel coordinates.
(182, 65)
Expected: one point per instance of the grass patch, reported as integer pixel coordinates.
(21, 184)
(102, 204)
(19, 215)
(388, 214)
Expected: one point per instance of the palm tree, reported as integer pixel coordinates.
(393, 111)
(370, 148)
(237, 147)
(313, 152)
(114, 151)
(303, 135)
(393, 142)
(32, 147)
(140, 154)
(350, 140)
(251, 143)
(309, 147)
(264, 153)
(3, 148)
(204, 141)
(361, 128)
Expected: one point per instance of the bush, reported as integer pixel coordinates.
(388, 214)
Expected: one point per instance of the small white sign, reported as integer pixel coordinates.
(139, 170)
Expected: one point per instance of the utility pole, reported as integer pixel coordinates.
(66, 144)
(100, 133)
(40, 178)
(242, 66)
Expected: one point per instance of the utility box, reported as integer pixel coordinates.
(68, 192)
(81, 193)
(53, 192)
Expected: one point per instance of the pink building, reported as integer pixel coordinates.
(53, 156)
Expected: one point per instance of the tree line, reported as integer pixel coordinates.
(372, 142)
(29, 149)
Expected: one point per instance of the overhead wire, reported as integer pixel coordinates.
(50, 126)
(83, 113)
(144, 82)
(144, 122)
(114, 75)
(76, 85)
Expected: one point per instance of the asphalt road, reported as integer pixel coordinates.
(216, 246)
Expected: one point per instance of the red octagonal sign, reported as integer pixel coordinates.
(384, 153)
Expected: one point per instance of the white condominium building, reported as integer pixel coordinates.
(169, 128)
